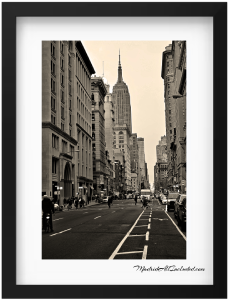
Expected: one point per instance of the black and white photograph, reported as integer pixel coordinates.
(114, 150)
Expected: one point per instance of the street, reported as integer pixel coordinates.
(124, 231)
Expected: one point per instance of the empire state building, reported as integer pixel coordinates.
(122, 129)
(121, 100)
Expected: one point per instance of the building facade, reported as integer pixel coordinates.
(174, 75)
(123, 127)
(64, 65)
(140, 142)
(98, 92)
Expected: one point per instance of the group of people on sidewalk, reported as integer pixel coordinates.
(77, 201)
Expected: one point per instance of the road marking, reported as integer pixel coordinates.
(57, 219)
(85, 213)
(149, 219)
(145, 252)
(159, 219)
(113, 212)
(129, 252)
(147, 236)
(176, 226)
(136, 235)
(97, 217)
(148, 226)
(61, 231)
(144, 219)
(140, 225)
(123, 240)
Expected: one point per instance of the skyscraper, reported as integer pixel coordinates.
(123, 128)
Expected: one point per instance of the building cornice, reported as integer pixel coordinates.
(59, 131)
(83, 130)
(97, 82)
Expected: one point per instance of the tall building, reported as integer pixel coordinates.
(141, 160)
(174, 75)
(98, 91)
(160, 169)
(134, 151)
(122, 129)
(66, 73)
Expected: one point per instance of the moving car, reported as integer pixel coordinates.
(171, 199)
(180, 210)
(105, 199)
(146, 193)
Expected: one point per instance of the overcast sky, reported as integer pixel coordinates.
(141, 67)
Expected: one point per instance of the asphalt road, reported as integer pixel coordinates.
(125, 231)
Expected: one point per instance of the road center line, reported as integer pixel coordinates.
(123, 240)
(149, 219)
(145, 252)
(60, 232)
(129, 252)
(136, 235)
(148, 226)
(140, 225)
(176, 226)
(97, 217)
(57, 219)
(147, 236)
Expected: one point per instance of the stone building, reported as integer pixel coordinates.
(98, 92)
(123, 127)
(174, 75)
(134, 151)
(140, 142)
(134, 182)
(120, 179)
(66, 73)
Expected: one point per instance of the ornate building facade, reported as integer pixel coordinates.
(66, 70)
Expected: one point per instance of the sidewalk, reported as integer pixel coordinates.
(91, 203)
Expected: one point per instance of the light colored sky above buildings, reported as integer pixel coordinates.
(141, 67)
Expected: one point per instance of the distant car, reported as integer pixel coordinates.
(171, 199)
(180, 210)
(163, 199)
(105, 199)
(56, 206)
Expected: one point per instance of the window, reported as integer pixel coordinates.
(121, 141)
(53, 119)
(70, 132)
(54, 165)
(70, 104)
(69, 74)
(170, 112)
(174, 131)
(52, 85)
(72, 150)
(52, 68)
(61, 48)
(52, 50)
(121, 137)
(169, 118)
(170, 131)
(93, 136)
(93, 117)
(55, 141)
(121, 132)
(92, 97)
(61, 63)
(62, 79)
(62, 96)
(170, 125)
(69, 59)
(69, 89)
(52, 102)
(167, 64)
(70, 119)
(64, 146)
(62, 112)
(93, 126)
(62, 126)
(94, 146)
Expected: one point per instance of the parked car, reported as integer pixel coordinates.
(163, 199)
(180, 210)
(171, 199)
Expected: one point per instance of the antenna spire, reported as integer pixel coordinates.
(119, 58)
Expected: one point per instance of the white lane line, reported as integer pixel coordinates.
(148, 226)
(85, 213)
(129, 252)
(149, 219)
(113, 212)
(57, 219)
(136, 235)
(61, 231)
(176, 226)
(140, 225)
(145, 252)
(123, 240)
(147, 236)
(97, 217)
(144, 219)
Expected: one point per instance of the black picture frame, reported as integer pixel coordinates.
(10, 11)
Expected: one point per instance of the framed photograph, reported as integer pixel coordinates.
(97, 155)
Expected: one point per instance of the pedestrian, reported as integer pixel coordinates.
(48, 208)
(76, 202)
(135, 199)
(109, 201)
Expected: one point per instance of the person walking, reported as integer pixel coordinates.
(76, 202)
(48, 208)
(135, 199)
(109, 201)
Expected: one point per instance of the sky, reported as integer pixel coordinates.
(141, 63)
